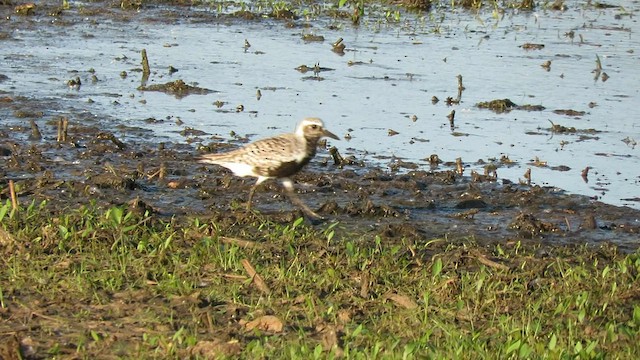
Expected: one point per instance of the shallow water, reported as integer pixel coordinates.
(387, 74)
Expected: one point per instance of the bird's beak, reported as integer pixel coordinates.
(328, 133)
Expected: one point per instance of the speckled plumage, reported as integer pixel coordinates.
(275, 157)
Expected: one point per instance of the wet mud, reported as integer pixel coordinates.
(90, 164)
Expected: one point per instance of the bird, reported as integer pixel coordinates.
(277, 157)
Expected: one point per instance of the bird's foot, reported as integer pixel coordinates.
(313, 217)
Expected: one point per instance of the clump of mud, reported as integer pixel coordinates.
(177, 88)
(506, 105)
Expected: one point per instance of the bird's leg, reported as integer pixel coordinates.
(288, 186)
(251, 192)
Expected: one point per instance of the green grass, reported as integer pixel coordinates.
(89, 281)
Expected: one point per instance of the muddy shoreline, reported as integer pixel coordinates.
(109, 168)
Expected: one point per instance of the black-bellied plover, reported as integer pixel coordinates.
(275, 157)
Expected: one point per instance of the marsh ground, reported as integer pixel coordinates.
(120, 247)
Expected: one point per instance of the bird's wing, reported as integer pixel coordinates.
(265, 153)
(271, 153)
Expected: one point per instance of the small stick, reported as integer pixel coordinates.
(163, 171)
(145, 63)
(585, 174)
(598, 63)
(59, 137)
(460, 86)
(209, 322)
(364, 286)
(257, 279)
(451, 118)
(45, 316)
(14, 198)
(527, 175)
(35, 132)
(337, 158)
(140, 170)
(65, 128)
(460, 89)
(459, 166)
(157, 173)
(63, 125)
(485, 261)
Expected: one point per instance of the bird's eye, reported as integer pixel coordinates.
(314, 127)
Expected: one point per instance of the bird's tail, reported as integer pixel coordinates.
(209, 158)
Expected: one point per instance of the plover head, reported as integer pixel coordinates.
(313, 129)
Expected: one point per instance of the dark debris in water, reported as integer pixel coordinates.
(531, 46)
(178, 88)
(506, 105)
(315, 68)
(560, 129)
(312, 38)
(499, 105)
(569, 112)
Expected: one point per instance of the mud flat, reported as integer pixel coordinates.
(77, 165)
